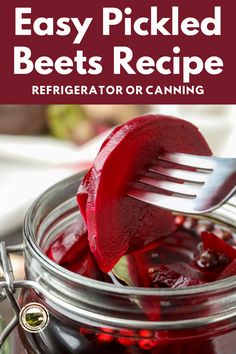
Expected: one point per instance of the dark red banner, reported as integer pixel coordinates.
(117, 52)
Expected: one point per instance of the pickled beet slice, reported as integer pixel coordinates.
(229, 271)
(70, 244)
(116, 223)
(215, 243)
(71, 250)
(168, 278)
(86, 266)
(86, 185)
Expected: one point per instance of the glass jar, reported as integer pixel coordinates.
(89, 316)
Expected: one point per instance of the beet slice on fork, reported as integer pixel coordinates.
(116, 223)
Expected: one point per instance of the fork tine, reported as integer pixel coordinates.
(201, 162)
(197, 177)
(183, 189)
(177, 204)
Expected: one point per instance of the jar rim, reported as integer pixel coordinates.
(78, 279)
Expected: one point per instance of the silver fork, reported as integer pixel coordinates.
(208, 186)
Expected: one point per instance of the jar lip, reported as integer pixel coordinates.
(78, 279)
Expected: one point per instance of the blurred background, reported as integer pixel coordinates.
(42, 144)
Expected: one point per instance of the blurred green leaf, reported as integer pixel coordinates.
(63, 119)
(121, 271)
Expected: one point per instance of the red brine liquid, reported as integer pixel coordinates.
(198, 252)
